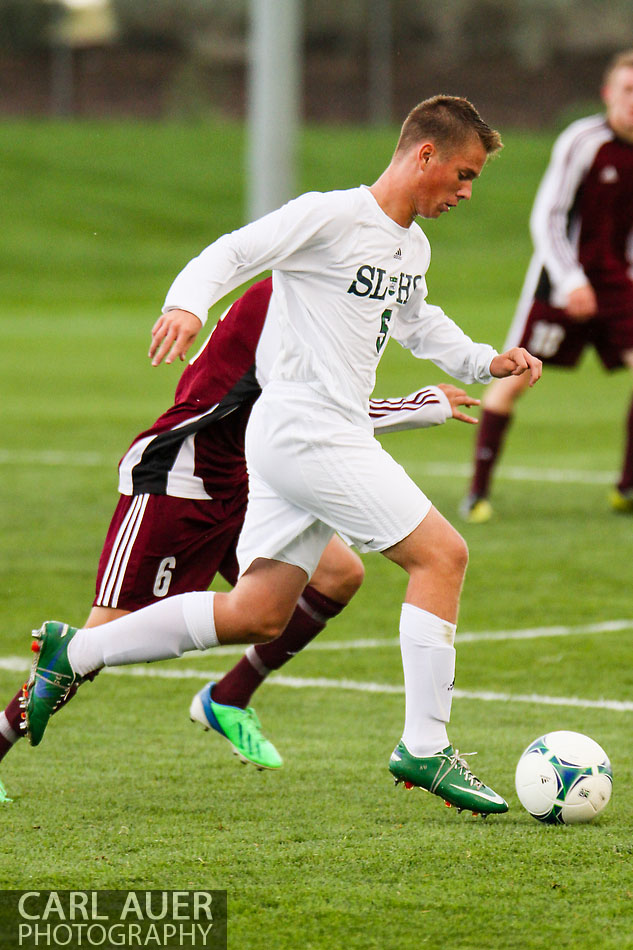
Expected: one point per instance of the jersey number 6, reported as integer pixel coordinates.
(163, 576)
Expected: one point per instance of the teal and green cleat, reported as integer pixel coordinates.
(240, 726)
(51, 677)
(4, 798)
(447, 775)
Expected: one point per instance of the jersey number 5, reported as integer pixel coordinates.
(385, 317)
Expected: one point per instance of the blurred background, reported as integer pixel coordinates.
(124, 126)
(528, 64)
(524, 62)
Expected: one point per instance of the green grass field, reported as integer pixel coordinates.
(124, 792)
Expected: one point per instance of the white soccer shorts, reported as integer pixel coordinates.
(312, 472)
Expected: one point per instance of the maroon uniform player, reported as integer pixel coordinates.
(579, 288)
(183, 492)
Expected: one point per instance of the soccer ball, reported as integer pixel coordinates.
(564, 778)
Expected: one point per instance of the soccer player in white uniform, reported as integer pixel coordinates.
(348, 272)
(183, 492)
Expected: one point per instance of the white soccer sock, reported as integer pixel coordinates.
(428, 660)
(7, 733)
(158, 632)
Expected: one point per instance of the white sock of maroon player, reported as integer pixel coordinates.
(159, 632)
(310, 617)
(428, 660)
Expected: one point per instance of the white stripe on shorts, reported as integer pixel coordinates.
(114, 574)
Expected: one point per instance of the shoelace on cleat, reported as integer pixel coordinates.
(256, 726)
(459, 762)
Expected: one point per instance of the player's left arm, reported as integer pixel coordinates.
(515, 362)
(429, 334)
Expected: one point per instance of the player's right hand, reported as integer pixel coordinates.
(172, 335)
(582, 303)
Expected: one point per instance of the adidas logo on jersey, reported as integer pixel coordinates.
(609, 175)
(398, 255)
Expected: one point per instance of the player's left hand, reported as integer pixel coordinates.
(172, 335)
(457, 397)
(515, 362)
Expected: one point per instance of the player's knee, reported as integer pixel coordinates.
(267, 626)
(263, 634)
(460, 554)
(346, 582)
(502, 394)
(354, 576)
(452, 557)
(339, 578)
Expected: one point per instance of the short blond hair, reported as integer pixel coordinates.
(619, 61)
(448, 121)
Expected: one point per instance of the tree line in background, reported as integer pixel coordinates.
(525, 63)
(534, 31)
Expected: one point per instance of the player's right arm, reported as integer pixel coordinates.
(554, 239)
(264, 244)
(582, 303)
(172, 335)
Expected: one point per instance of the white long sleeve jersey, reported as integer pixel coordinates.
(346, 277)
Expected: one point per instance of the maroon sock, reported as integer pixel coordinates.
(310, 617)
(626, 479)
(10, 730)
(490, 436)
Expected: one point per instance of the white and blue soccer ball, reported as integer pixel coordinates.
(564, 778)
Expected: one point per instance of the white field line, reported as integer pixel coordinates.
(520, 473)
(443, 469)
(607, 626)
(21, 665)
(54, 457)
(383, 643)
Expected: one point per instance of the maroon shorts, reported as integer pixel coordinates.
(555, 338)
(158, 545)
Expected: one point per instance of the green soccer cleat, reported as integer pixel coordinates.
(240, 726)
(51, 677)
(620, 501)
(4, 798)
(447, 775)
(475, 510)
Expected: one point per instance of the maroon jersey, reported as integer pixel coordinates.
(604, 207)
(582, 226)
(196, 448)
(583, 213)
